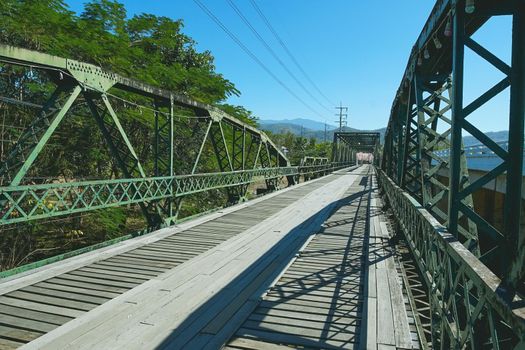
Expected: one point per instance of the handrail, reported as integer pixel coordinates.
(456, 281)
(32, 202)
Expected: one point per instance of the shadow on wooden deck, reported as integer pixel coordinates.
(341, 279)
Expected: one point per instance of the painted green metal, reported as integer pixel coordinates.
(428, 114)
(32, 202)
(515, 240)
(423, 172)
(92, 85)
(347, 144)
(468, 306)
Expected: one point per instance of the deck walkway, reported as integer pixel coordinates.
(200, 284)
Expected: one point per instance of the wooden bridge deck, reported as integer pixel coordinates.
(206, 283)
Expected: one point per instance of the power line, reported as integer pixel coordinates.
(252, 56)
(272, 52)
(285, 47)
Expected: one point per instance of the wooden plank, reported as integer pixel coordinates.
(142, 261)
(246, 343)
(313, 298)
(327, 316)
(175, 251)
(309, 309)
(385, 321)
(100, 281)
(78, 290)
(218, 322)
(372, 282)
(166, 320)
(323, 329)
(231, 326)
(7, 344)
(117, 272)
(116, 266)
(43, 299)
(21, 335)
(25, 323)
(107, 276)
(290, 339)
(40, 307)
(371, 324)
(86, 285)
(135, 263)
(65, 295)
(401, 326)
(33, 315)
(338, 292)
(153, 257)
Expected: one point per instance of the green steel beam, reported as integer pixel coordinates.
(45, 137)
(470, 309)
(515, 236)
(33, 202)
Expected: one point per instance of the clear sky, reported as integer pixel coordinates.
(354, 51)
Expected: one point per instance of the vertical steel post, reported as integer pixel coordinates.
(399, 159)
(156, 141)
(515, 240)
(458, 53)
(172, 152)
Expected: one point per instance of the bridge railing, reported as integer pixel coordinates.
(469, 306)
(33, 202)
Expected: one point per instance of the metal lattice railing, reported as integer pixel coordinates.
(32, 202)
(468, 304)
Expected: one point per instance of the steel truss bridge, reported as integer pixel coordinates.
(390, 255)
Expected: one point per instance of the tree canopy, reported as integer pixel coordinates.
(146, 47)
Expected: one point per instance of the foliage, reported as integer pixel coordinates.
(299, 147)
(152, 49)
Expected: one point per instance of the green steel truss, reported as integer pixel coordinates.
(241, 153)
(347, 144)
(467, 307)
(470, 286)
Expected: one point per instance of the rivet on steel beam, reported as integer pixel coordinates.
(448, 28)
(470, 6)
(437, 43)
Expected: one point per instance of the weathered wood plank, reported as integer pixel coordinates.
(86, 285)
(371, 324)
(246, 343)
(33, 315)
(40, 307)
(285, 338)
(32, 325)
(22, 335)
(6, 344)
(385, 321)
(77, 290)
(65, 295)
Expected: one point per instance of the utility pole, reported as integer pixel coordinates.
(325, 131)
(342, 116)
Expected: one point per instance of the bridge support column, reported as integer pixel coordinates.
(515, 240)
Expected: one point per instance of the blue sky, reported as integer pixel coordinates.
(354, 51)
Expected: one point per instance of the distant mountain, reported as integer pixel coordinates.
(319, 134)
(306, 123)
(314, 129)
(494, 135)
